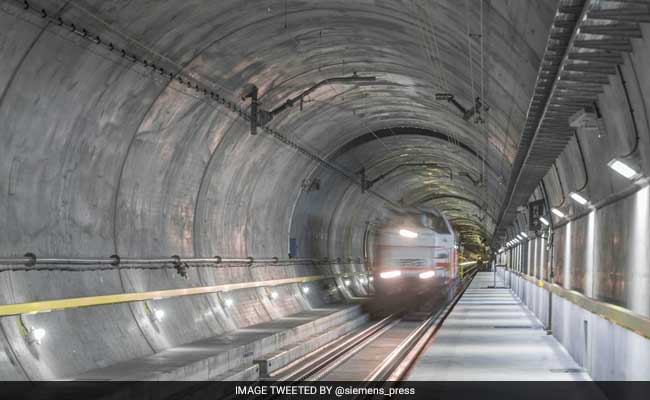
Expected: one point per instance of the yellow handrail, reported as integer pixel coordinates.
(87, 301)
(621, 316)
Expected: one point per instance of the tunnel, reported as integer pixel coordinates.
(204, 191)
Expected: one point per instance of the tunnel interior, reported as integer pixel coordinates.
(129, 134)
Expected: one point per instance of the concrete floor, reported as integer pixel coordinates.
(228, 356)
(491, 335)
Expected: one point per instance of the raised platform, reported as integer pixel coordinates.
(491, 336)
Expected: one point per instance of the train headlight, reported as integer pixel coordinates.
(427, 274)
(408, 234)
(390, 274)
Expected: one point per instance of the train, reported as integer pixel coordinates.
(415, 260)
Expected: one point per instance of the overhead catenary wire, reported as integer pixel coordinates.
(426, 30)
(363, 122)
(144, 46)
(166, 75)
(436, 46)
(482, 50)
(483, 93)
(428, 11)
(469, 49)
(426, 45)
(372, 132)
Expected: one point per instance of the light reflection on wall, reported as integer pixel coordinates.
(567, 256)
(530, 252)
(639, 248)
(542, 253)
(589, 254)
(534, 258)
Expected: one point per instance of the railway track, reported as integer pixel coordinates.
(382, 351)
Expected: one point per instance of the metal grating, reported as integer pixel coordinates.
(586, 42)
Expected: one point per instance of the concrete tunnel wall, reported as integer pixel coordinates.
(602, 249)
(101, 157)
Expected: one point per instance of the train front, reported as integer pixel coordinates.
(415, 262)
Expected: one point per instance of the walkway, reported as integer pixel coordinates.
(490, 335)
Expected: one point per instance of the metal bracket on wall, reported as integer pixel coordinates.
(367, 184)
(466, 113)
(300, 98)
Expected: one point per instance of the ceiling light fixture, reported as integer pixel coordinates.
(544, 221)
(558, 212)
(578, 198)
(623, 169)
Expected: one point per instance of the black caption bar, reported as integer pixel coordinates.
(326, 390)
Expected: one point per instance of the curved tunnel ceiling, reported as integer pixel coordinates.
(415, 49)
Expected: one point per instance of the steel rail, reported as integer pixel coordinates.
(332, 358)
(396, 362)
(399, 361)
(403, 367)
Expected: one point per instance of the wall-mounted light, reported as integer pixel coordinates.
(228, 302)
(347, 282)
(558, 212)
(155, 315)
(623, 169)
(158, 315)
(35, 335)
(274, 295)
(305, 289)
(371, 279)
(578, 198)
(544, 221)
